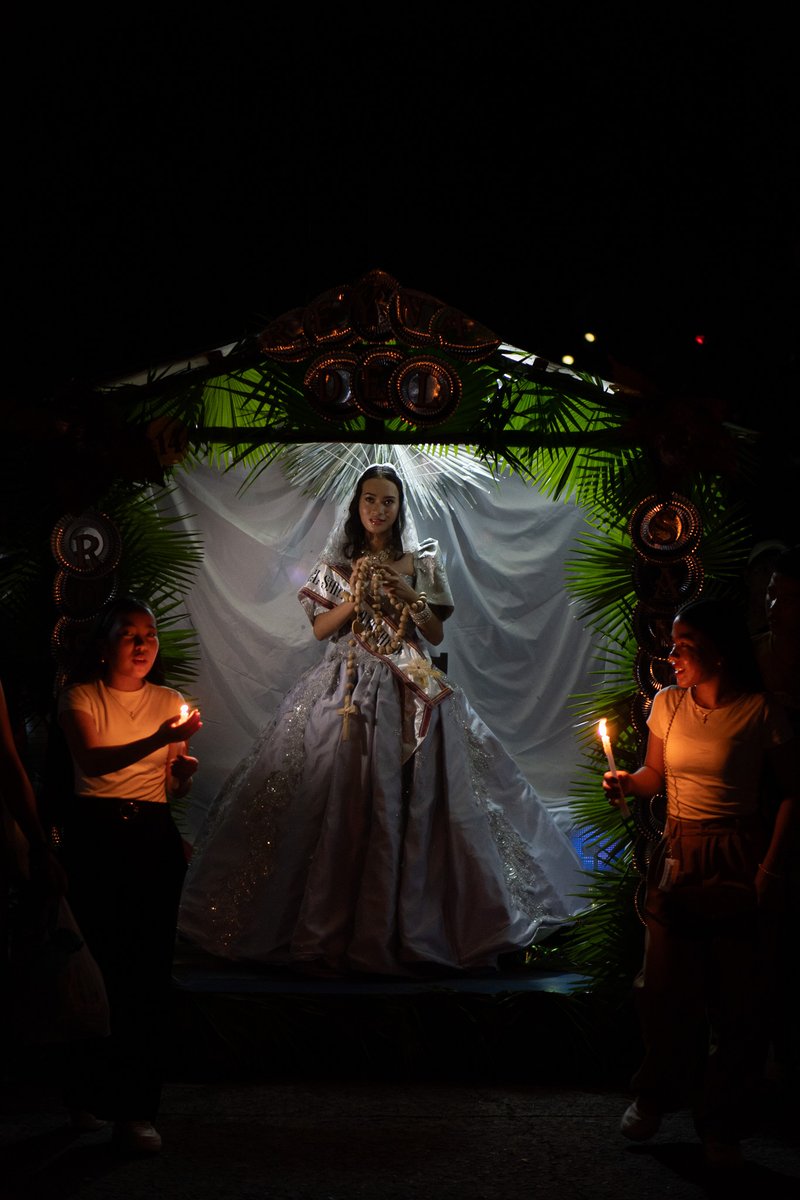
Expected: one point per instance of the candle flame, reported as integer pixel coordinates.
(601, 729)
(184, 713)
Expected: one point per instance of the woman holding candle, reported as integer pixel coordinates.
(124, 858)
(714, 885)
(377, 825)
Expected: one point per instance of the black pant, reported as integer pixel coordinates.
(706, 979)
(125, 867)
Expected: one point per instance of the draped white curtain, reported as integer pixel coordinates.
(514, 643)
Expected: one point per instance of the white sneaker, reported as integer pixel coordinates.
(639, 1122)
(136, 1137)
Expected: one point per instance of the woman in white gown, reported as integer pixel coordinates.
(378, 825)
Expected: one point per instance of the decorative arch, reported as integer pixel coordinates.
(662, 478)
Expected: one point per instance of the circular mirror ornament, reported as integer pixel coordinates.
(425, 391)
(329, 386)
(372, 382)
(328, 319)
(649, 817)
(640, 711)
(87, 545)
(80, 596)
(652, 630)
(461, 335)
(652, 673)
(662, 672)
(664, 588)
(411, 314)
(68, 642)
(372, 299)
(285, 338)
(665, 529)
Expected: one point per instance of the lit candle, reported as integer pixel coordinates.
(184, 713)
(612, 766)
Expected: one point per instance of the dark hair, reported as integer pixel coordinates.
(355, 538)
(788, 563)
(90, 665)
(726, 628)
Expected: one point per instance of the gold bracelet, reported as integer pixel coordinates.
(771, 874)
(422, 616)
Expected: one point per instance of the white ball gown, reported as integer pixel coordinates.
(394, 838)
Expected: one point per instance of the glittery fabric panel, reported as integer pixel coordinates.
(256, 799)
(523, 873)
(314, 850)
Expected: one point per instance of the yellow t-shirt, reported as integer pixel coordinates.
(714, 759)
(119, 718)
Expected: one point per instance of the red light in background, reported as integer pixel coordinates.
(700, 339)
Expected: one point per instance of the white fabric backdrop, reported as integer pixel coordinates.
(514, 643)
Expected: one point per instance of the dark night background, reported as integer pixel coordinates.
(174, 182)
(177, 176)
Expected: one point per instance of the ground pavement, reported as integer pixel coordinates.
(282, 1088)
(342, 1140)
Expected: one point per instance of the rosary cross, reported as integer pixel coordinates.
(347, 711)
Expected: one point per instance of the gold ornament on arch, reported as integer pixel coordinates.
(378, 350)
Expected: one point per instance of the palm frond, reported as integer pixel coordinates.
(431, 474)
(160, 557)
(605, 944)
